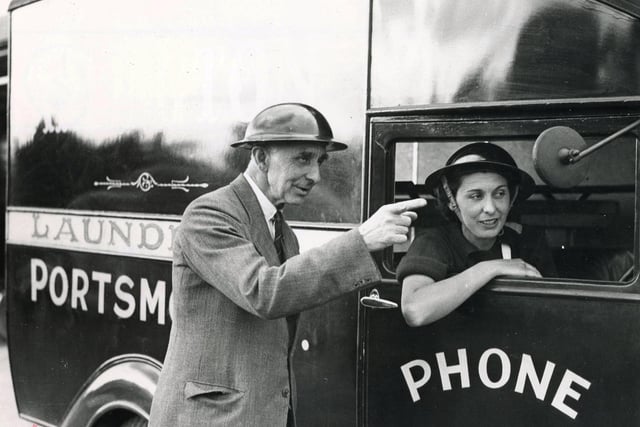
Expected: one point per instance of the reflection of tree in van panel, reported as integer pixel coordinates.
(59, 170)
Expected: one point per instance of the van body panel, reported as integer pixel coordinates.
(483, 358)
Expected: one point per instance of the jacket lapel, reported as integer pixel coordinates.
(262, 239)
(258, 228)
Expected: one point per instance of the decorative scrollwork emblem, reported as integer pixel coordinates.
(146, 182)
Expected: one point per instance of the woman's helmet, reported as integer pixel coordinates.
(482, 157)
(290, 122)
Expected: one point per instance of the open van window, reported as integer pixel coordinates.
(589, 228)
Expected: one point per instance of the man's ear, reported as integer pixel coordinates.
(260, 156)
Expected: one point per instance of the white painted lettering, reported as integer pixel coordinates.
(151, 302)
(415, 379)
(78, 292)
(564, 390)
(527, 370)
(122, 295)
(505, 363)
(85, 291)
(445, 371)
(102, 279)
(412, 384)
(39, 276)
(58, 299)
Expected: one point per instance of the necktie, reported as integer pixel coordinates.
(277, 240)
(292, 320)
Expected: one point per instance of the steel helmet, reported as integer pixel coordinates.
(289, 122)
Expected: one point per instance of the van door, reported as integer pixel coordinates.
(555, 351)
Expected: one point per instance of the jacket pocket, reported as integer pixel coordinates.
(195, 389)
(210, 405)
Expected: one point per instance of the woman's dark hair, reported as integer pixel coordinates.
(454, 180)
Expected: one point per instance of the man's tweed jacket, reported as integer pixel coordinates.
(234, 308)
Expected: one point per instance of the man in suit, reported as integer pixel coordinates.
(235, 298)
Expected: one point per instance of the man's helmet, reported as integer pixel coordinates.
(289, 122)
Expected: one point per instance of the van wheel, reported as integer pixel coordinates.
(135, 421)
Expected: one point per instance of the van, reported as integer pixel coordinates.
(121, 113)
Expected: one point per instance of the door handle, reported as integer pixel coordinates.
(373, 300)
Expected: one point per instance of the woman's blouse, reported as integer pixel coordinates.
(443, 251)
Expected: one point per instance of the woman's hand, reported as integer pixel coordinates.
(510, 267)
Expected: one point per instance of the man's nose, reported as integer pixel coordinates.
(314, 173)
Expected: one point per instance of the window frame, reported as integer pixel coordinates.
(389, 128)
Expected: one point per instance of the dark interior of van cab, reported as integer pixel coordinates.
(589, 229)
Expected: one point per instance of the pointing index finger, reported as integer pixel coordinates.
(408, 205)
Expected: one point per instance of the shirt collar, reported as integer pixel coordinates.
(455, 231)
(268, 210)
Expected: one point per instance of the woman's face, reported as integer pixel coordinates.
(483, 205)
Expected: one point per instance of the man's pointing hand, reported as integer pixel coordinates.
(390, 224)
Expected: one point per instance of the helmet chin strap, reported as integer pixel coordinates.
(447, 190)
(515, 196)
